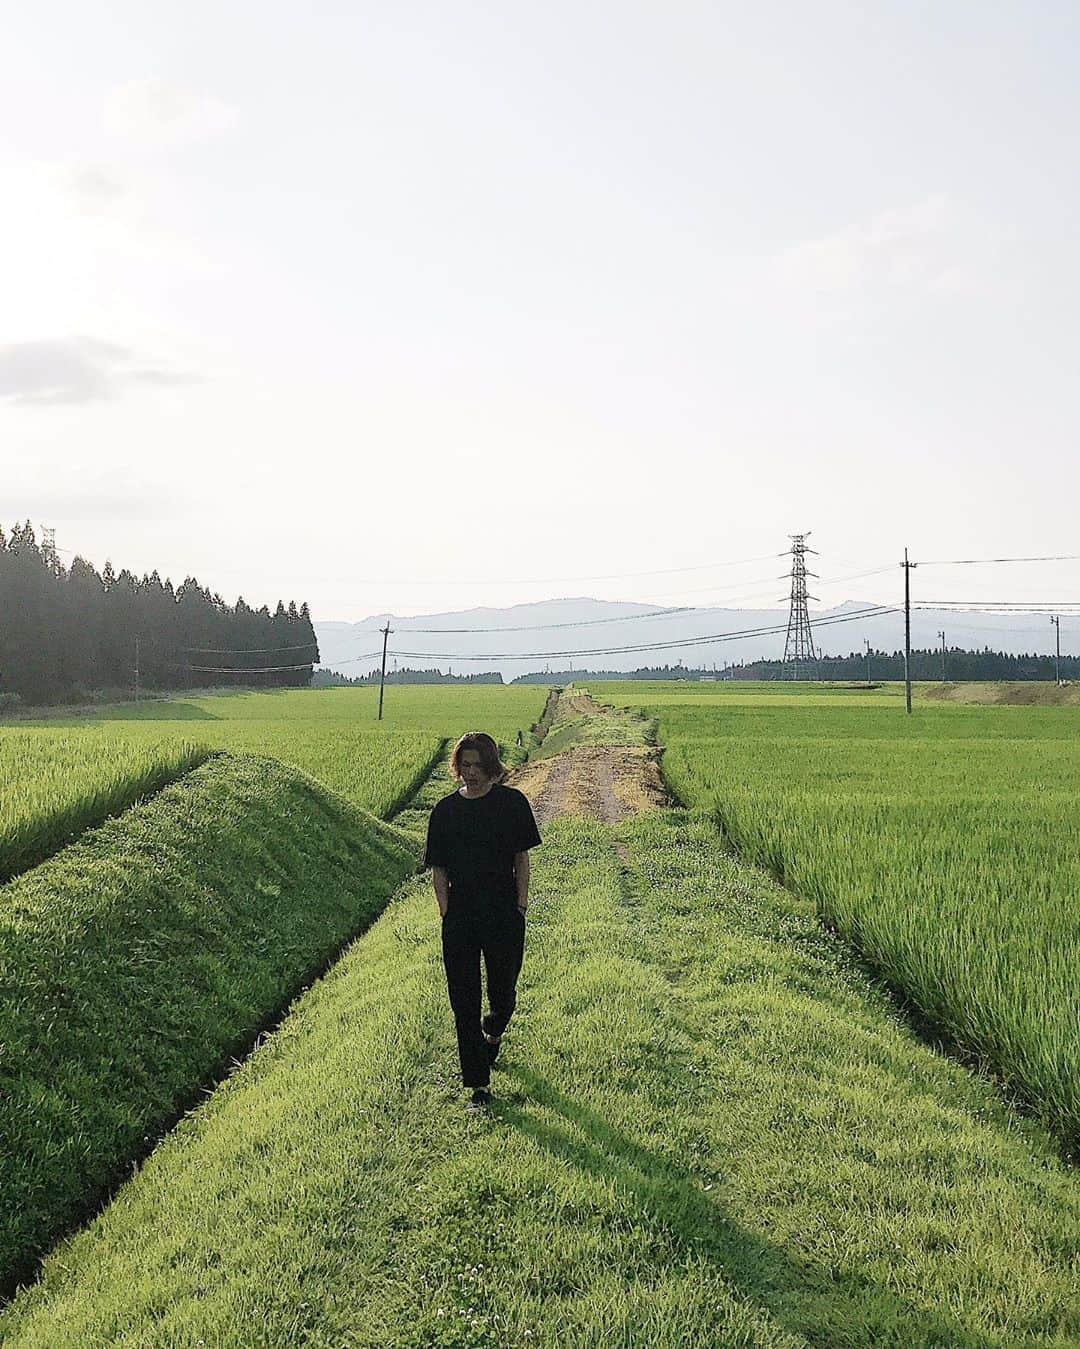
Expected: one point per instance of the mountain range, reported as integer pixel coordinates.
(585, 633)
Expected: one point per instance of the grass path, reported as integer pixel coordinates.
(711, 1129)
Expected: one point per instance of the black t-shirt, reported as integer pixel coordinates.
(475, 842)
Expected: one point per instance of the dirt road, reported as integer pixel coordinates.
(607, 782)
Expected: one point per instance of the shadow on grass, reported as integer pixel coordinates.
(808, 1300)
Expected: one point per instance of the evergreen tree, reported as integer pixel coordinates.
(67, 633)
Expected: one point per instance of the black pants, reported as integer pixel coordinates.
(499, 937)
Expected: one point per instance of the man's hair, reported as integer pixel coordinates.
(490, 763)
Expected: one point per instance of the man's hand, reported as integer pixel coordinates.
(521, 878)
(441, 883)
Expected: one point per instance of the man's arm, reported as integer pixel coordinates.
(521, 875)
(441, 882)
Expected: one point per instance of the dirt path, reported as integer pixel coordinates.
(607, 782)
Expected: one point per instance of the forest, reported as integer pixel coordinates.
(68, 632)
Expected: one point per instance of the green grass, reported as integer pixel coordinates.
(378, 773)
(713, 1130)
(946, 845)
(54, 784)
(444, 709)
(135, 960)
(331, 734)
(615, 728)
(134, 963)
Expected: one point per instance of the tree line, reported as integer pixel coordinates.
(69, 632)
(960, 666)
(325, 679)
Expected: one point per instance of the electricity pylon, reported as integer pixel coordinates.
(799, 647)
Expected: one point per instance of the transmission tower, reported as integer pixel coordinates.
(48, 548)
(799, 648)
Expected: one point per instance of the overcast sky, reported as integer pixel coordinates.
(415, 307)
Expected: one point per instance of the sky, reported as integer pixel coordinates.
(417, 307)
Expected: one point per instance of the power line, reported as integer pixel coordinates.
(978, 627)
(544, 627)
(353, 660)
(245, 650)
(232, 669)
(621, 618)
(873, 611)
(977, 606)
(666, 612)
(828, 581)
(982, 561)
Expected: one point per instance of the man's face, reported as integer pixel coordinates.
(469, 766)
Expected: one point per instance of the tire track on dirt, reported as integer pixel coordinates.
(607, 782)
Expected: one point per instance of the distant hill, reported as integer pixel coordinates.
(527, 637)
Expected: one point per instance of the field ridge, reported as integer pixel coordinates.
(227, 893)
(699, 1137)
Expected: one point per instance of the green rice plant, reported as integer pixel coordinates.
(443, 709)
(709, 1128)
(333, 734)
(55, 784)
(945, 845)
(378, 773)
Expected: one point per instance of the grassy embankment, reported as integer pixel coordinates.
(946, 845)
(574, 725)
(228, 911)
(713, 1130)
(139, 960)
(1006, 693)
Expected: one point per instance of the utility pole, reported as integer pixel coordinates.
(799, 644)
(941, 634)
(136, 667)
(1056, 620)
(907, 566)
(382, 674)
(866, 643)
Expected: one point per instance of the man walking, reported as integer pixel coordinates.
(478, 845)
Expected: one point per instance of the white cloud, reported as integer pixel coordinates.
(932, 245)
(86, 246)
(73, 370)
(92, 190)
(154, 112)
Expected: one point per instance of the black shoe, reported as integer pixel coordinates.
(481, 1096)
(493, 1047)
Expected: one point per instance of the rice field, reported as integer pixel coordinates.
(709, 1131)
(377, 773)
(62, 776)
(54, 784)
(137, 957)
(946, 845)
(711, 1126)
(442, 709)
